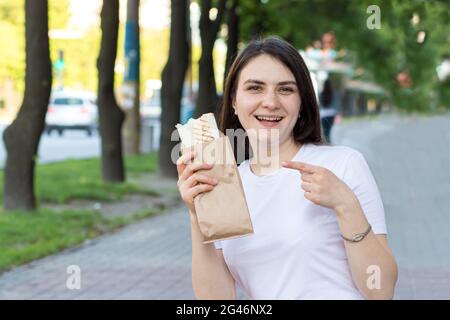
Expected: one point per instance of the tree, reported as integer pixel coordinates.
(233, 35)
(173, 76)
(400, 46)
(132, 125)
(23, 135)
(111, 117)
(12, 26)
(207, 93)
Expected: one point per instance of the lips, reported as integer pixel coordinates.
(269, 121)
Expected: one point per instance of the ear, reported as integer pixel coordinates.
(233, 104)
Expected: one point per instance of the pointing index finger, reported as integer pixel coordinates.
(301, 166)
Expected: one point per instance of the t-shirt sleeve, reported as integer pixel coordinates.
(359, 178)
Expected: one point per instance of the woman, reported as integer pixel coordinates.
(316, 211)
(327, 109)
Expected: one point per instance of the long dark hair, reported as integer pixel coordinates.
(307, 129)
(326, 96)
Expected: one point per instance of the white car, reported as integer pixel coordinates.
(71, 110)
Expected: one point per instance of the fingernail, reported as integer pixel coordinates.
(215, 181)
(284, 163)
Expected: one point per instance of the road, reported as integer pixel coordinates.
(73, 144)
(77, 145)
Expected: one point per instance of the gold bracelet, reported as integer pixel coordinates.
(359, 236)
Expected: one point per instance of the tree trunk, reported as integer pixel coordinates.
(233, 37)
(111, 117)
(207, 91)
(132, 125)
(207, 95)
(23, 135)
(173, 77)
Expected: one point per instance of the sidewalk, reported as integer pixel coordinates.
(146, 260)
(410, 160)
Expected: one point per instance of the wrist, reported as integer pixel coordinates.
(347, 208)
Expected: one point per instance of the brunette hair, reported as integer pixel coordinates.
(308, 126)
(326, 96)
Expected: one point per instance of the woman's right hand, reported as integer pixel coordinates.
(190, 182)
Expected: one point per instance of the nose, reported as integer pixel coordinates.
(270, 100)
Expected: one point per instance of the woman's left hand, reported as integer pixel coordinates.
(322, 186)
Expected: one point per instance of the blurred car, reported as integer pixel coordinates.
(151, 110)
(72, 110)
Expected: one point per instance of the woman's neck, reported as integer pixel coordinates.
(266, 161)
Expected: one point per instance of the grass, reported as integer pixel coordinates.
(26, 236)
(62, 181)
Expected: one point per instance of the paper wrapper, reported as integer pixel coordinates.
(222, 213)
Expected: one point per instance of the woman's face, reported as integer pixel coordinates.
(267, 100)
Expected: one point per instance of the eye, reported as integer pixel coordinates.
(286, 90)
(254, 88)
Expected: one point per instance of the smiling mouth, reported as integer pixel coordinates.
(269, 121)
(269, 118)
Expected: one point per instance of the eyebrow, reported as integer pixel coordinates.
(262, 82)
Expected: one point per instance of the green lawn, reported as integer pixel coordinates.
(81, 179)
(25, 236)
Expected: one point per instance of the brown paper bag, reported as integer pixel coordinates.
(222, 213)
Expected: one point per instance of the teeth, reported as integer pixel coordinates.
(269, 118)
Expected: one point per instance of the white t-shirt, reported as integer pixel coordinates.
(296, 251)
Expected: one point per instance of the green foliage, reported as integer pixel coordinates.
(382, 53)
(80, 59)
(12, 11)
(444, 94)
(80, 54)
(12, 25)
(154, 53)
(58, 13)
(12, 54)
